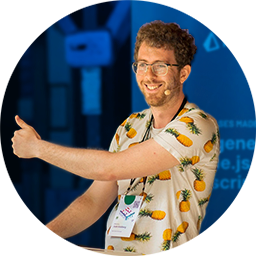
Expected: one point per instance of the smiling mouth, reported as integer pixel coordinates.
(153, 87)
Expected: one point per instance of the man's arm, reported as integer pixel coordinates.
(85, 210)
(144, 159)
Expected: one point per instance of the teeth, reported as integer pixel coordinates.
(152, 87)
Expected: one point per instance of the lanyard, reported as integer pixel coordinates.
(181, 107)
(146, 137)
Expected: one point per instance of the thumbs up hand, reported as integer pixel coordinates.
(25, 140)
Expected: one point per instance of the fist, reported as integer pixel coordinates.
(25, 141)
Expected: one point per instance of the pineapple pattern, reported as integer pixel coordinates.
(129, 249)
(136, 185)
(210, 143)
(183, 139)
(186, 161)
(165, 175)
(184, 205)
(174, 200)
(111, 247)
(167, 236)
(198, 226)
(185, 110)
(131, 132)
(199, 183)
(155, 215)
(182, 228)
(140, 237)
(147, 198)
(137, 115)
(203, 201)
(190, 125)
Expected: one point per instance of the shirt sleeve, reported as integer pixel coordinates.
(115, 143)
(194, 134)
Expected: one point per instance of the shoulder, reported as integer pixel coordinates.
(194, 126)
(191, 115)
(134, 125)
(192, 133)
(137, 117)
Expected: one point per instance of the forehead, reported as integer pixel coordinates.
(152, 54)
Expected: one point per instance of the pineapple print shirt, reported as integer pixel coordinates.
(175, 200)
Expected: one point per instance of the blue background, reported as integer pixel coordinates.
(218, 86)
(71, 102)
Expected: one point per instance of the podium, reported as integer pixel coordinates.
(64, 248)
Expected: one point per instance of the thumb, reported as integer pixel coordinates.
(20, 122)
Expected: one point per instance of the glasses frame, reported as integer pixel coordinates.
(147, 64)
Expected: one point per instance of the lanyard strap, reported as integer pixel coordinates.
(132, 181)
(146, 137)
(181, 107)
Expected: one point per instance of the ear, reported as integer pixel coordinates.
(184, 73)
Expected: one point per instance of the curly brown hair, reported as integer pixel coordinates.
(170, 36)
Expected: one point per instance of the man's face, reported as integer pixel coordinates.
(153, 86)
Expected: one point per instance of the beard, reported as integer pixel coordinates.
(159, 99)
(155, 100)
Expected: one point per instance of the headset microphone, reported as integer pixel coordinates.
(167, 92)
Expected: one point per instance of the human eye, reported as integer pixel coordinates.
(159, 65)
(159, 68)
(141, 65)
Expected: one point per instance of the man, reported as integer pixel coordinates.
(167, 154)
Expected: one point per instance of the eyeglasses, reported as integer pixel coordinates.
(159, 68)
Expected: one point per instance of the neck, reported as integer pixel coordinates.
(164, 114)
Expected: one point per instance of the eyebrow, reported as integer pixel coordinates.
(153, 62)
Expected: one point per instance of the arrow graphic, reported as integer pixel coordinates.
(211, 43)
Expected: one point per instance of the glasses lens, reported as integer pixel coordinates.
(160, 69)
(134, 67)
(141, 68)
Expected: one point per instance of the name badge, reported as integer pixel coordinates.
(126, 215)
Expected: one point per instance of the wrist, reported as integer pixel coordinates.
(38, 148)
